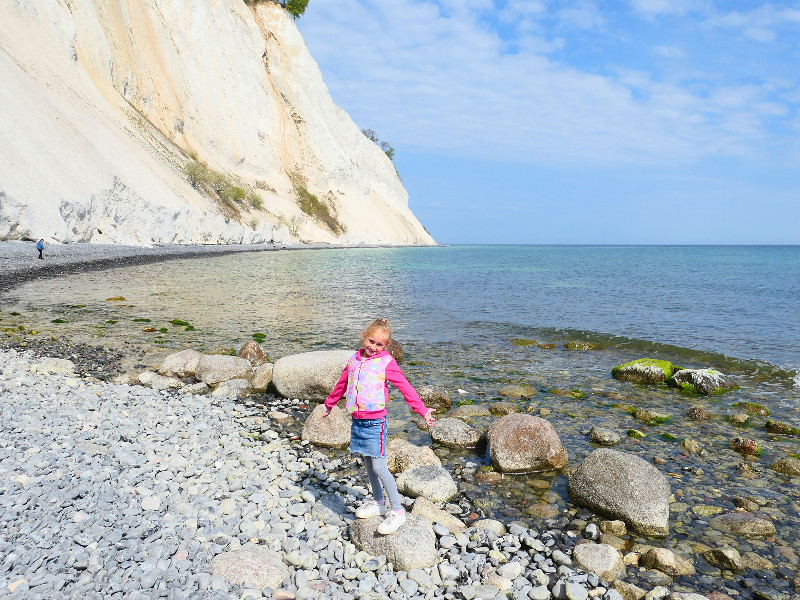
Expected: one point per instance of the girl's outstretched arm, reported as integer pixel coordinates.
(396, 377)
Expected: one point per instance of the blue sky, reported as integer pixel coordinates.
(536, 121)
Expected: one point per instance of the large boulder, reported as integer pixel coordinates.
(332, 431)
(432, 482)
(623, 486)
(522, 443)
(603, 560)
(159, 382)
(644, 370)
(259, 566)
(454, 433)
(180, 364)
(216, 368)
(310, 375)
(413, 546)
(402, 455)
(702, 381)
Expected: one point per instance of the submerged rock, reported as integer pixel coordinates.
(309, 375)
(781, 428)
(702, 381)
(579, 345)
(501, 409)
(603, 436)
(742, 523)
(725, 558)
(666, 561)
(787, 466)
(468, 411)
(623, 486)
(395, 348)
(413, 546)
(644, 370)
(745, 446)
(517, 390)
(435, 397)
(522, 443)
(751, 408)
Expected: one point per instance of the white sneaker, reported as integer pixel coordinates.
(370, 509)
(392, 523)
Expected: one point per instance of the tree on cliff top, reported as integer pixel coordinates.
(296, 7)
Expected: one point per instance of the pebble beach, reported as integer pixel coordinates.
(113, 490)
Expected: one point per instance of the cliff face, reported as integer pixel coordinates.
(103, 102)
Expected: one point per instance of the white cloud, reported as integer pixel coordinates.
(669, 51)
(761, 24)
(444, 81)
(652, 8)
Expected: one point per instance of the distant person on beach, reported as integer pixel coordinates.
(40, 248)
(364, 383)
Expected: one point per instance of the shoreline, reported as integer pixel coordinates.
(19, 263)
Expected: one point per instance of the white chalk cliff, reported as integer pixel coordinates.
(103, 102)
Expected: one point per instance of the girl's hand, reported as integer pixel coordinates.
(429, 417)
(327, 411)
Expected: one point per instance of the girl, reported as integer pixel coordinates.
(364, 382)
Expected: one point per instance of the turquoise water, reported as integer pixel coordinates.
(694, 302)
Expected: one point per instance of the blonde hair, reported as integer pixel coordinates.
(378, 325)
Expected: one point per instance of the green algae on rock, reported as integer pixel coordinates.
(579, 345)
(523, 342)
(752, 408)
(645, 370)
(781, 428)
(708, 382)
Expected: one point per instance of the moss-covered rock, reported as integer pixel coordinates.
(708, 382)
(636, 434)
(523, 342)
(644, 370)
(651, 417)
(751, 408)
(781, 428)
(579, 345)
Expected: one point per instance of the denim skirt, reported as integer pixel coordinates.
(368, 437)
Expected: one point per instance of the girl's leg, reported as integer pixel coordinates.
(379, 474)
(374, 480)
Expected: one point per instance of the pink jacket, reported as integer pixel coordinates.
(360, 370)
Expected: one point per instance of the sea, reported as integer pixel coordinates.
(467, 317)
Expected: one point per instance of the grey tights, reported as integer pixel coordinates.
(379, 474)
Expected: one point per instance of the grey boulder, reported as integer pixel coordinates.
(413, 546)
(309, 375)
(623, 486)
